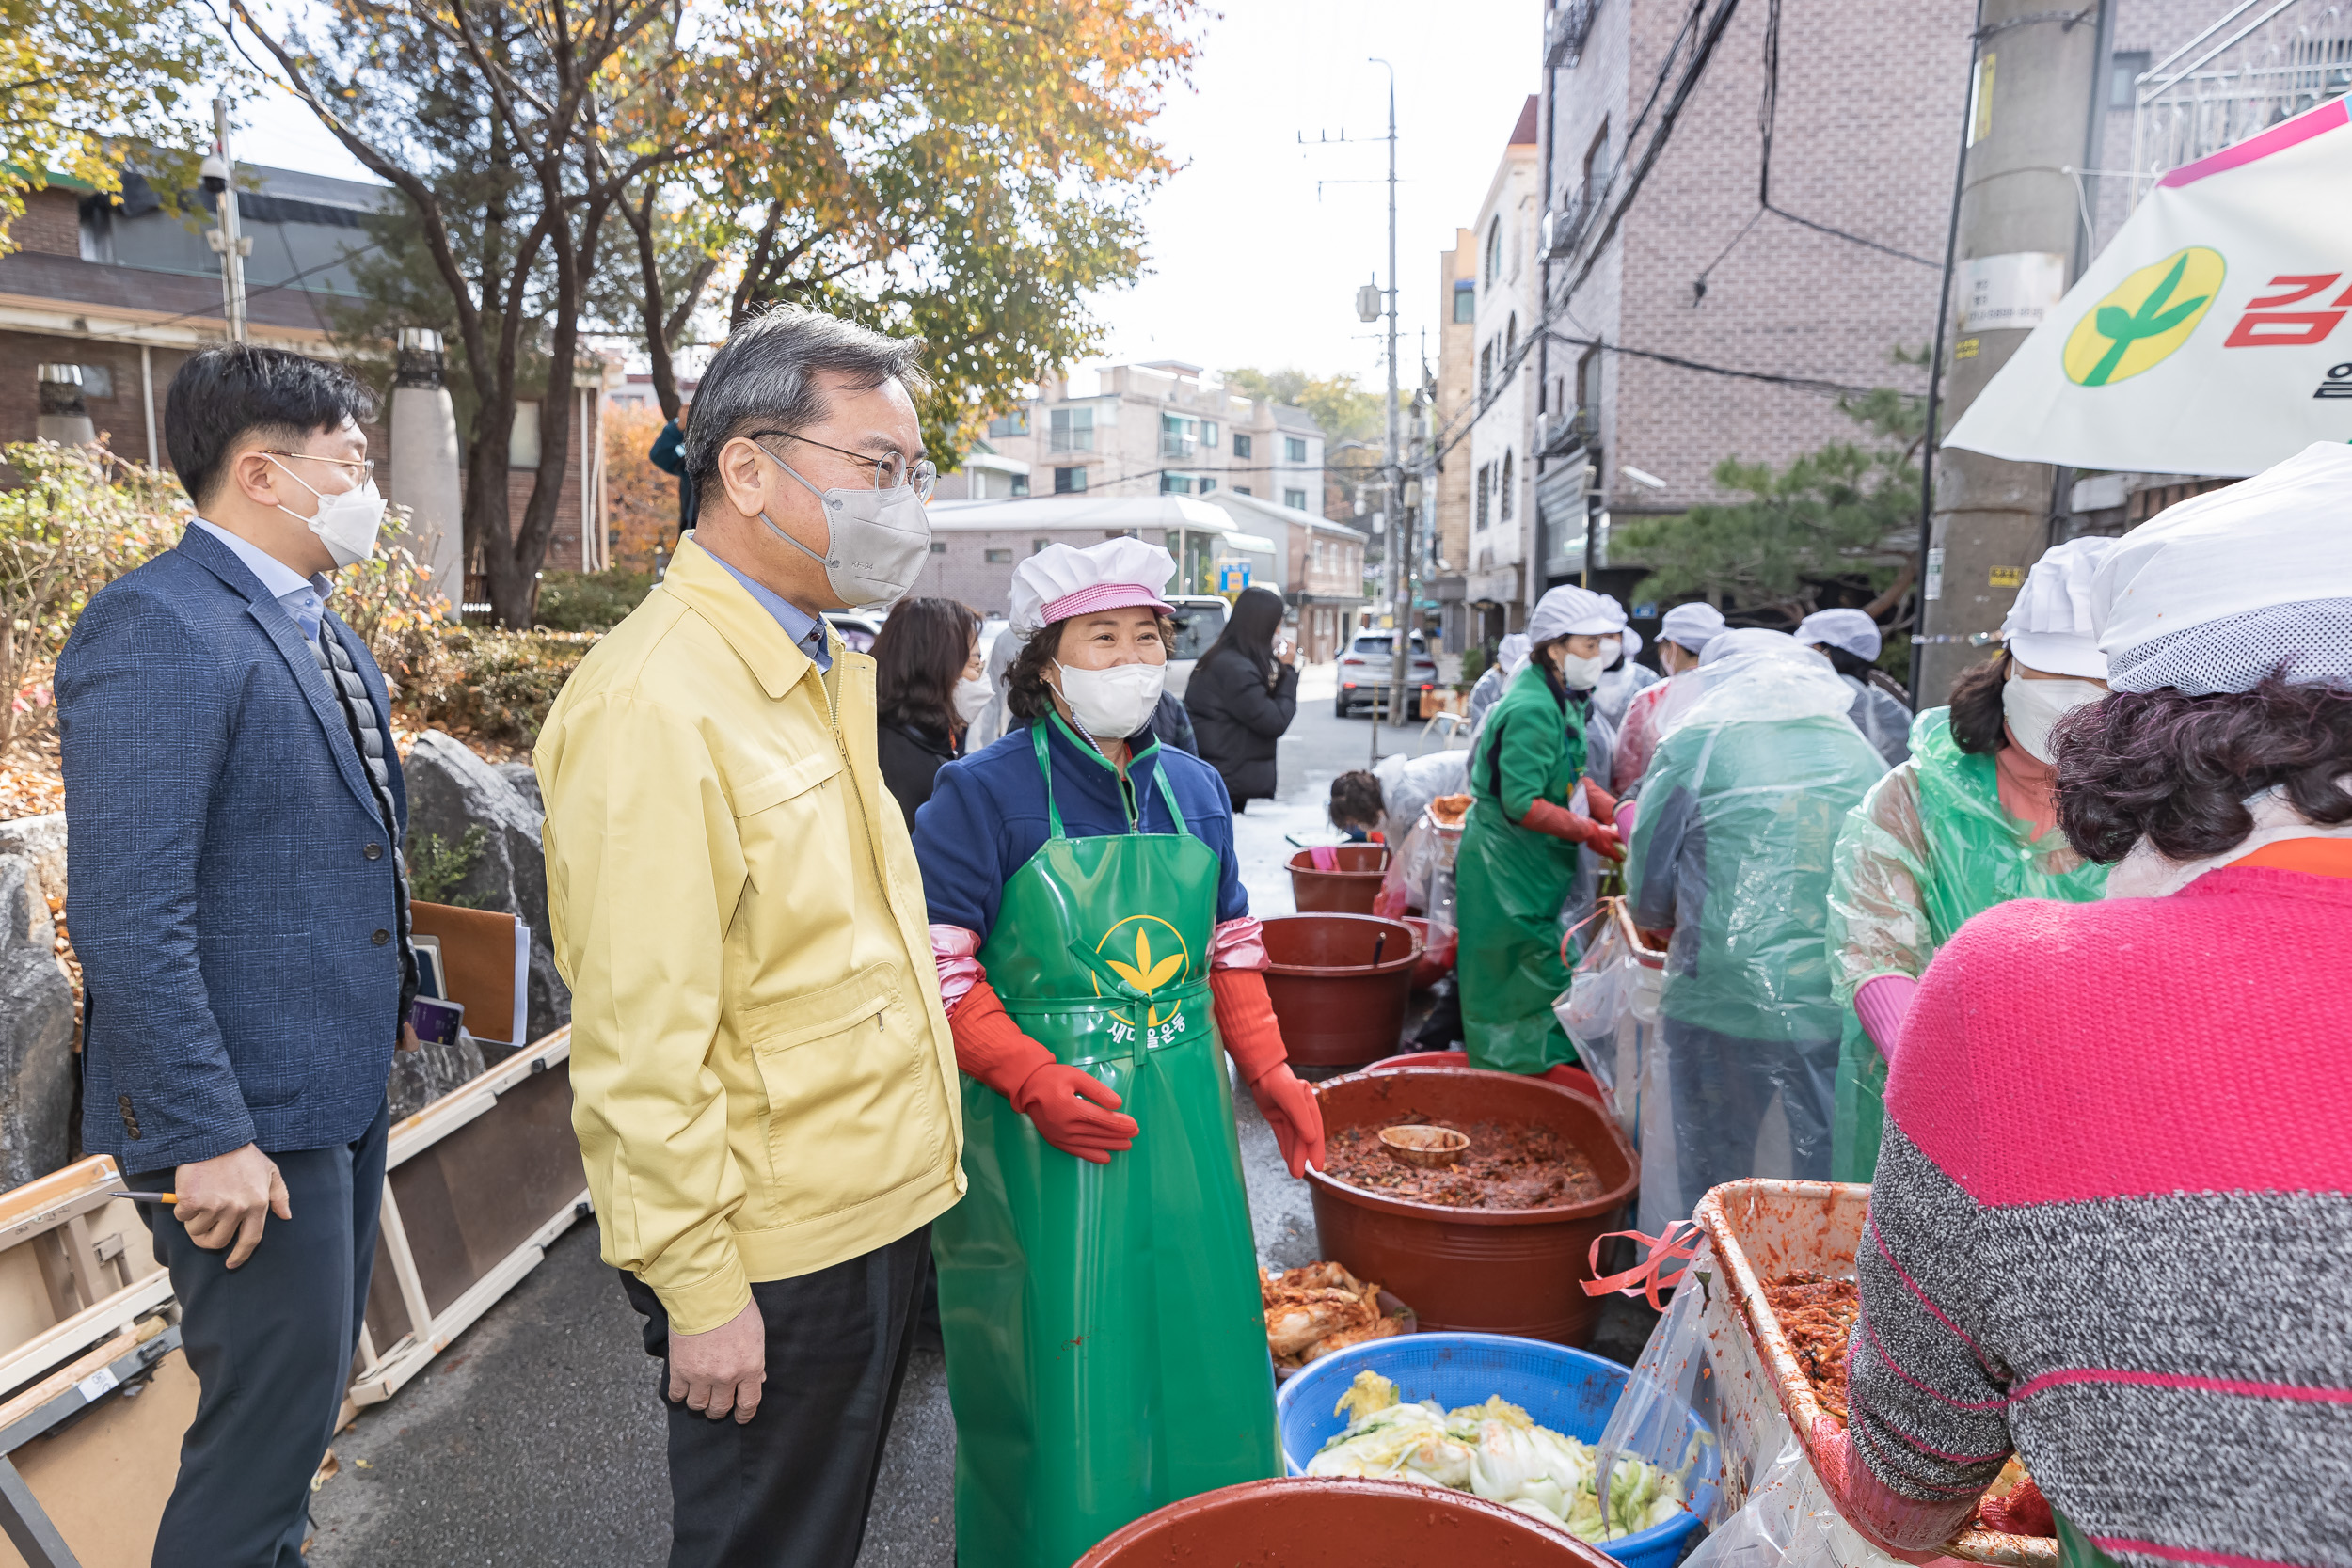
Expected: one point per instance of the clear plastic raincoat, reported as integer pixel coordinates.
(1740, 811)
(1926, 849)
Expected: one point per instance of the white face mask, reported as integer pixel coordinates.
(876, 540)
(1113, 704)
(347, 522)
(972, 694)
(1582, 675)
(2033, 708)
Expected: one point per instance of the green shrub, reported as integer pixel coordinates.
(590, 601)
(498, 685)
(437, 868)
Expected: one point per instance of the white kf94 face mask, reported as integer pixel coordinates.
(2032, 708)
(971, 696)
(1582, 674)
(347, 522)
(876, 540)
(1113, 704)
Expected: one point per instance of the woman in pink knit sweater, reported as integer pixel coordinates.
(2111, 1223)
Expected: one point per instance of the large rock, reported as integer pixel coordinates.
(422, 1076)
(37, 1069)
(451, 790)
(525, 779)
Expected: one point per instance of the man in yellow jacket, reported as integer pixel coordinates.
(763, 1082)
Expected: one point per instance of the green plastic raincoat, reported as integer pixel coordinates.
(1928, 848)
(1510, 881)
(1732, 850)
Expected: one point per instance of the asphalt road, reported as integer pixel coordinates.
(537, 1439)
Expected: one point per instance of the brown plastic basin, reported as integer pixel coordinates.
(1336, 1005)
(1515, 1271)
(1349, 888)
(1336, 1522)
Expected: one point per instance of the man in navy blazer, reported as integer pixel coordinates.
(238, 901)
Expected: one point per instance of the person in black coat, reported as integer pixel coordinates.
(1243, 696)
(928, 685)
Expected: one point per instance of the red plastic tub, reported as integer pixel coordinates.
(1568, 1077)
(1348, 888)
(1339, 984)
(1436, 958)
(1512, 1271)
(1336, 1522)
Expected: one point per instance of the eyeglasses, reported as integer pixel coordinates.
(890, 471)
(365, 465)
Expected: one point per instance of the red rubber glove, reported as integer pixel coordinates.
(1245, 1019)
(1914, 1531)
(1076, 1112)
(990, 1047)
(1545, 817)
(1603, 804)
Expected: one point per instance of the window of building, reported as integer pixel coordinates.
(1071, 430)
(2124, 69)
(1069, 482)
(1588, 382)
(1486, 368)
(1179, 435)
(1175, 484)
(1242, 490)
(1486, 492)
(1293, 449)
(522, 441)
(1014, 423)
(1207, 484)
(1510, 336)
(1597, 164)
(1020, 485)
(1037, 546)
(999, 557)
(1240, 444)
(1507, 488)
(1494, 251)
(1465, 300)
(1208, 434)
(1295, 500)
(939, 547)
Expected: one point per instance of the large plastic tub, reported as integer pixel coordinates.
(1570, 1391)
(1348, 888)
(1508, 1271)
(1339, 984)
(1567, 1077)
(1339, 1524)
(1762, 1228)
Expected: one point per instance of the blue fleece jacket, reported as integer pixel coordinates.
(986, 818)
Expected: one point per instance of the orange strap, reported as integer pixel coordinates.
(2313, 857)
(1679, 1240)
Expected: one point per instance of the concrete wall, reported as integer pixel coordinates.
(1509, 301)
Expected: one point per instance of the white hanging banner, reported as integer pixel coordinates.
(2209, 337)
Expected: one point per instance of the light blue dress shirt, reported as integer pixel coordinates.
(807, 632)
(304, 598)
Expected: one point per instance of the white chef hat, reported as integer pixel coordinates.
(1850, 629)
(1060, 581)
(1512, 652)
(1633, 643)
(1569, 611)
(2228, 588)
(1692, 626)
(2050, 628)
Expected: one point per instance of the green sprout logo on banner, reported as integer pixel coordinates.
(2147, 316)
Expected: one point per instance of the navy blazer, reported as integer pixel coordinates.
(231, 884)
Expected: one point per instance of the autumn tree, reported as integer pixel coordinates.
(81, 81)
(1345, 413)
(927, 166)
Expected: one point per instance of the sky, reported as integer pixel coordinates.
(1250, 263)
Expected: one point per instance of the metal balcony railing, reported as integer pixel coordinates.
(2259, 63)
(1566, 28)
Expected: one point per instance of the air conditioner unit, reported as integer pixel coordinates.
(1563, 225)
(1565, 29)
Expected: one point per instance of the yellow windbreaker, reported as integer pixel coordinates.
(763, 1082)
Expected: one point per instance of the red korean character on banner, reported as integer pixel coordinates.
(2264, 326)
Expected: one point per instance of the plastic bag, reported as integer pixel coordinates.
(1610, 1010)
(1420, 878)
(1667, 1414)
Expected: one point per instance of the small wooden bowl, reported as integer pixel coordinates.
(1429, 1147)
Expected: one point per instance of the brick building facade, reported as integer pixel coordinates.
(127, 288)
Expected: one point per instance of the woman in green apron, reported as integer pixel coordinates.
(1531, 808)
(1970, 822)
(1098, 1288)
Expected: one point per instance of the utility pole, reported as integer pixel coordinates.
(228, 240)
(1400, 543)
(2031, 91)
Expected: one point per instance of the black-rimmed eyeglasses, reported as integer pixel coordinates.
(890, 471)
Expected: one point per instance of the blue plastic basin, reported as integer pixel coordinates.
(1570, 1391)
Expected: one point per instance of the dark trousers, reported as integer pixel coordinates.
(791, 1488)
(271, 1344)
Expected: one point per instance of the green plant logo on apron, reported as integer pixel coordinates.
(1106, 1349)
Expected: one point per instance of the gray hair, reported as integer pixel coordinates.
(762, 380)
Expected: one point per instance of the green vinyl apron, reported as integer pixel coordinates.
(1106, 1350)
